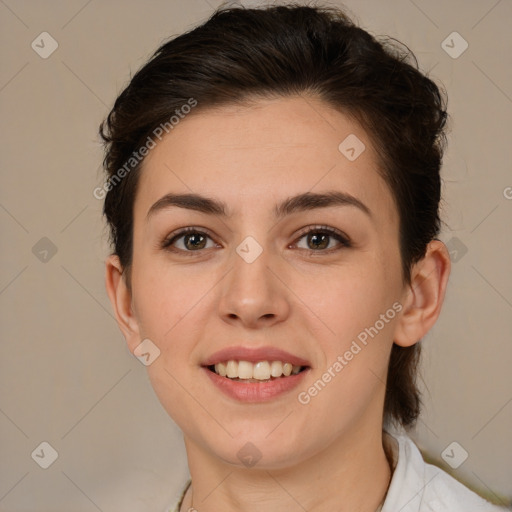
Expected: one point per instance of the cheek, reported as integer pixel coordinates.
(166, 297)
(170, 306)
(359, 306)
(346, 301)
(360, 312)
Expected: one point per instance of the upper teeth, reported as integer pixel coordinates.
(262, 370)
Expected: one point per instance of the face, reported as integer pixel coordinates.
(314, 283)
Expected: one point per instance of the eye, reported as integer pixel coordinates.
(322, 238)
(188, 240)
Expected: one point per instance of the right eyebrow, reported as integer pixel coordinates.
(194, 202)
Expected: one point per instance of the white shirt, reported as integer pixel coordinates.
(420, 487)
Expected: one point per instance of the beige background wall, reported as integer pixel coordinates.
(65, 375)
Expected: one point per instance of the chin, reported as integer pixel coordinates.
(257, 449)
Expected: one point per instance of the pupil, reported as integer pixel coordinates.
(194, 245)
(323, 242)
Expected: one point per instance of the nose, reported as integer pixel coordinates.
(254, 293)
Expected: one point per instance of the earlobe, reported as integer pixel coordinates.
(121, 300)
(424, 296)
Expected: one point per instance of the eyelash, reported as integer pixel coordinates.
(344, 241)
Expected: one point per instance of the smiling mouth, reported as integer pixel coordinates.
(262, 371)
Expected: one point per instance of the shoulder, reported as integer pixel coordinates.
(420, 487)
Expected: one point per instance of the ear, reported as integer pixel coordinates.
(121, 300)
(424, 297)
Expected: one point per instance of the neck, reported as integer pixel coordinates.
(351, 474)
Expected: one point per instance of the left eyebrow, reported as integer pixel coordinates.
(294, 204)
(311, 201)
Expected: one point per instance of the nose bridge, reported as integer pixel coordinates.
(252, 291)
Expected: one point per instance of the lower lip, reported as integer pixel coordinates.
(255, 391)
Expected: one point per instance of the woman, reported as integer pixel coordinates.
(272, 193)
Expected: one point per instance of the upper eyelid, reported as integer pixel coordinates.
(319, 228)
(185, 231)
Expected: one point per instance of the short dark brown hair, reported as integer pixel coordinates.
(239, 55)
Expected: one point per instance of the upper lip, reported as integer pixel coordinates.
(254, 355)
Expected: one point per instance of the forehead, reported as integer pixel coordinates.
(262, 153)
